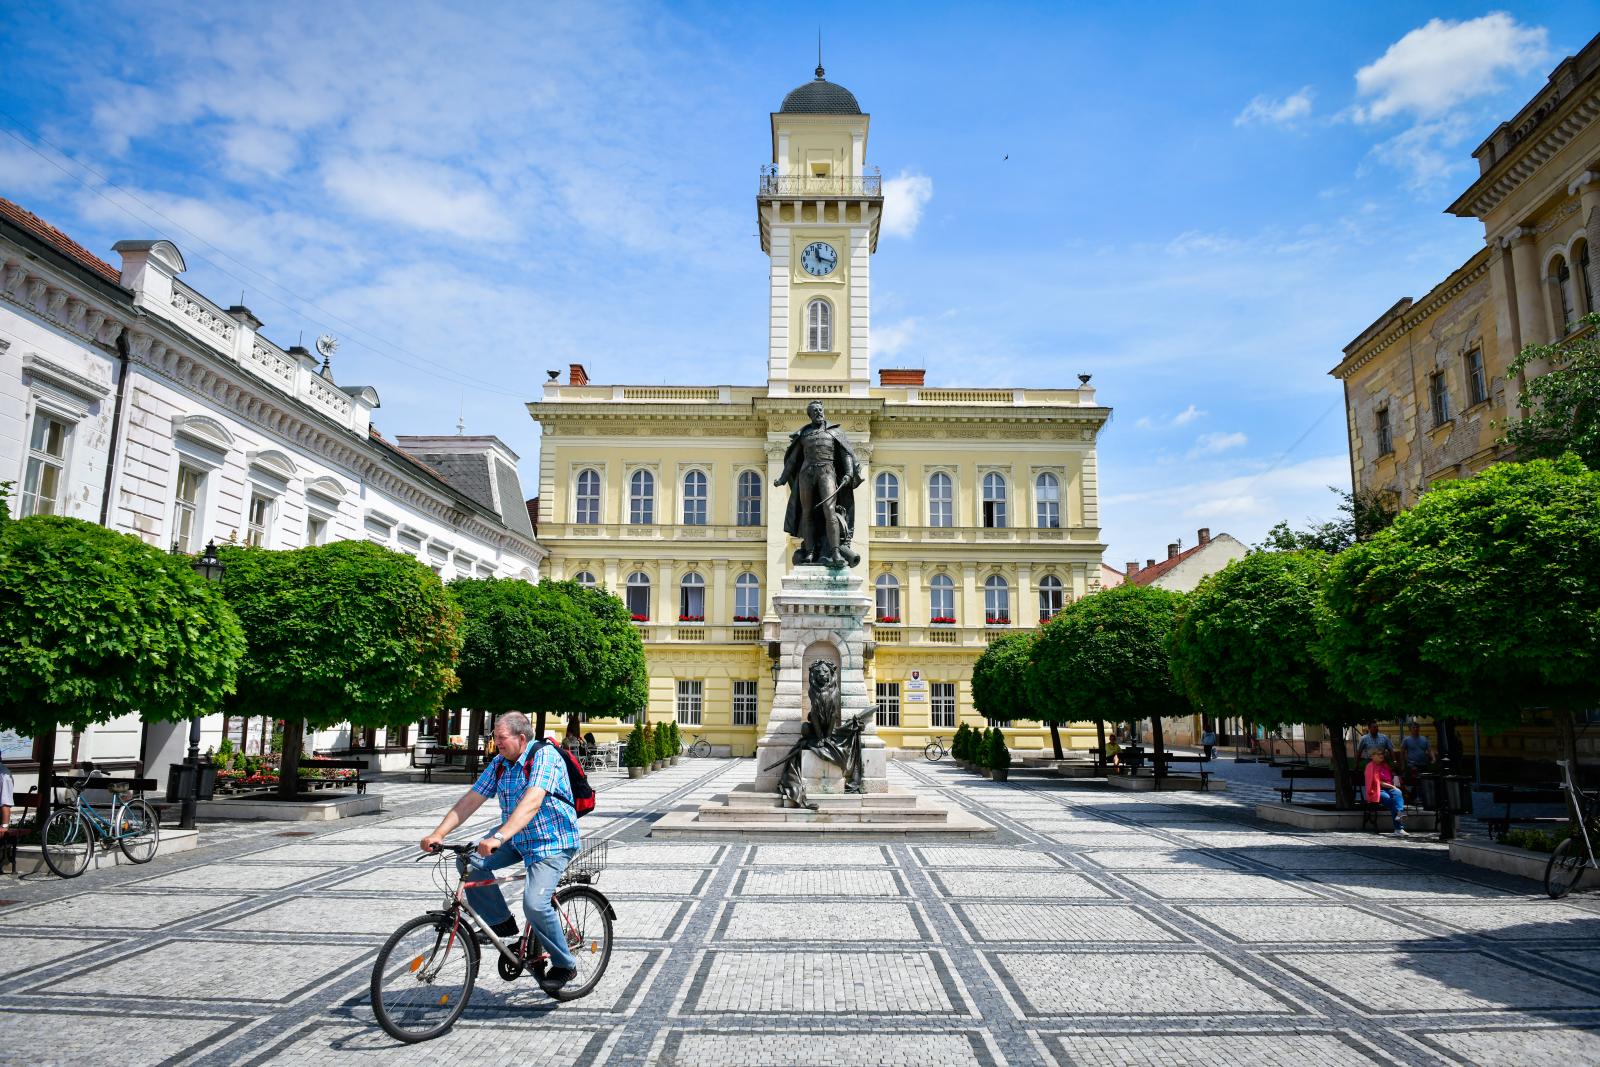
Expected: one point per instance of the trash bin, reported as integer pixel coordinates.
(191, 780)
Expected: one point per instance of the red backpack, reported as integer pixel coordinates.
(582, 802)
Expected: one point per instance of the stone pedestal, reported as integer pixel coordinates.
(822, 615)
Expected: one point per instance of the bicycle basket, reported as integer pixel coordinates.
(119, 788)
(69, 795)
(586, 866)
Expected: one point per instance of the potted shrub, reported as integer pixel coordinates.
(633, 752)
(980, 751)
(674, 742)
(647, 735)
(663, 751)
(958, 746)
(999, 756)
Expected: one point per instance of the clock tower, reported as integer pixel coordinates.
(819, 212)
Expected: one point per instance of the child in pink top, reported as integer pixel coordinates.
(1381, 789)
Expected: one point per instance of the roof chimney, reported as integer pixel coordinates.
(576, 375)
(1133, 567)
(1172, 550)
(1205, 535)
(901, 376)
(1149, 563)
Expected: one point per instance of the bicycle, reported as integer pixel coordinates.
(935, 750)
(72, 833)
(1576, 854)
(425, 973)
(701, 749)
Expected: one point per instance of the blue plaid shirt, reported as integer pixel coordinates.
(554, 827)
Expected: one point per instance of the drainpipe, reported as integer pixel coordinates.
(116, 427)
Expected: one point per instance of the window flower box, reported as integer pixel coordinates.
(747, 618)
(890, 619)
(691, 618)
(641, 618)
(943, 620)
(997, 620)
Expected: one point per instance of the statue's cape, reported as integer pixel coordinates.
(846, 471)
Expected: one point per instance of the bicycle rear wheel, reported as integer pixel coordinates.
(423, 978)
(933, 751)
(141, 832)
(586, 917)
(68, 843)
(1564, 870)
(701, 749)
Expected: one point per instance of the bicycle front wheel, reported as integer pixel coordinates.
(1565, 868)
(423, 978)
(701, 749)
(141, 832)
(933, 751)
(586, 917)
(68, 843)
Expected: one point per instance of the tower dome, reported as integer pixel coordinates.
(820, 97)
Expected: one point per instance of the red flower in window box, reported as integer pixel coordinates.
(888, 618)
(691, 618)
(746, 618)
(943, 618)
(997, 620)
(641, 618)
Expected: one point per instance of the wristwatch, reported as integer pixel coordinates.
(498, 836)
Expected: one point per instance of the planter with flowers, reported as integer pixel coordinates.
(691, 618)
(943, 620)
(997, 620)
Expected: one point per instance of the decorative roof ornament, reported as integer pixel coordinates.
(327, 344)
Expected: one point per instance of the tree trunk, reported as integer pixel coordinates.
(294, 732)
(1567, 742)
(538, 726)
(1341, 768)
(1100, 757)
(474, 740)
(1055, 740)
(47, 777)
(1157, 766)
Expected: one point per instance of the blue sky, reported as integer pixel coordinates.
(1202, 203)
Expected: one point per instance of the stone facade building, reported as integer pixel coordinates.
(979, 513)
(129, 399)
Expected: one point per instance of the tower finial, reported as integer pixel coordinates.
(819, 53)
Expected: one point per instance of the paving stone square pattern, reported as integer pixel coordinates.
(1095, 928)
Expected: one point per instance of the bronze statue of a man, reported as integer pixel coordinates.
(822, 475)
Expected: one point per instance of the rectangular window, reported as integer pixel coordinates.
(888, 703)
(1477, 381)
(943, 695)
(1002, 724)
(691, 696)
(1439, 398)
(260, 519)
(316, 530)
(186, 509)
(744, 703)
(1385, 433)
(47, 465)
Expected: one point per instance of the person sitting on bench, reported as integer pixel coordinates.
(8, 787)
(1382, 789)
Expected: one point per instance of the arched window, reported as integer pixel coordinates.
(941, 599)
(642, 498)
(749, 513)
(1563, 276)
(888, 589)
(1051, 597)
(994, 500)
(1047, 499)
(747, 598)
(638, 596)
(996, 601)
(692, 598)
(1582, 256)
(587, 498)
(887, 491)
(585, 579)
(694, 498)
(941, 500)
(819, 326)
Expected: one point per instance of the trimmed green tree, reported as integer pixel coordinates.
(1243, 646)
(999, 756)
(1481, 601)
(618, 684)
(958, 744)
(1559, 410)
(1106, 658)
(344, 632)
(663, 746)
(95, 625)
(1000, 686)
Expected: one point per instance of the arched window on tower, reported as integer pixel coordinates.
(1581, 256)
(642, 498)
(886, 490)
(694, 498)
(819, 326)
(749, 510)
(638, 595)
(587, 512)
(1047, 498)
(941, 500)
(1563, 277)
(994, 500)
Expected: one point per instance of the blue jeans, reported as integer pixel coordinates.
(1395, 803)
(543, 874)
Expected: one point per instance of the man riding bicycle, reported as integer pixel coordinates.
(539, 827)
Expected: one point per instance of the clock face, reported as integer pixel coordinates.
(819, 258)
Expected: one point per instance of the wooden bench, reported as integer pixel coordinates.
(11, 836)
(339, 765)
(1507, 795)
(1295, 772)
(1166, 759)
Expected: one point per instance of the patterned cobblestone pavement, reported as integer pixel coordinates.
(1098, 928)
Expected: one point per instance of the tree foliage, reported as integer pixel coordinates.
(620, 683)
(1560, 409)
(96, 624)
(1364, 514)
(1481, 601)
(1000, 679)
(1105, 657)
(524, 647)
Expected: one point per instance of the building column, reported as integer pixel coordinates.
(719, 596)
(665, 608)
(611, 577)
(1587, 188)
(1024, 606)
(913, 605)
(1089, 487)
(969, 598)
(1533, 326)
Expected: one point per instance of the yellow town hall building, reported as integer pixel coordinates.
(978, 514)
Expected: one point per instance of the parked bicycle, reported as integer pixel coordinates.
(1578, 852)
(425, 973)
(935, 750)
(701, 749)
(72, 833)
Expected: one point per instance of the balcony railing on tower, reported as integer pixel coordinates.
(804, 185)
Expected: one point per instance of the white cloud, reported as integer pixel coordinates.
(1187, 415)
(26, 172)
(891, 337)
(903, 200)
(1145, 423)
(422, 195)
(1211, 444)
(1271, 112)
(1445, 63)
(269, 151)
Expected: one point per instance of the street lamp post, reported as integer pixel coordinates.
(209, 567)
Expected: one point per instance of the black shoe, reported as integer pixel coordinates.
(505, 931)
(556, 977)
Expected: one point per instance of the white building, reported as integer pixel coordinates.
(129, 399)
